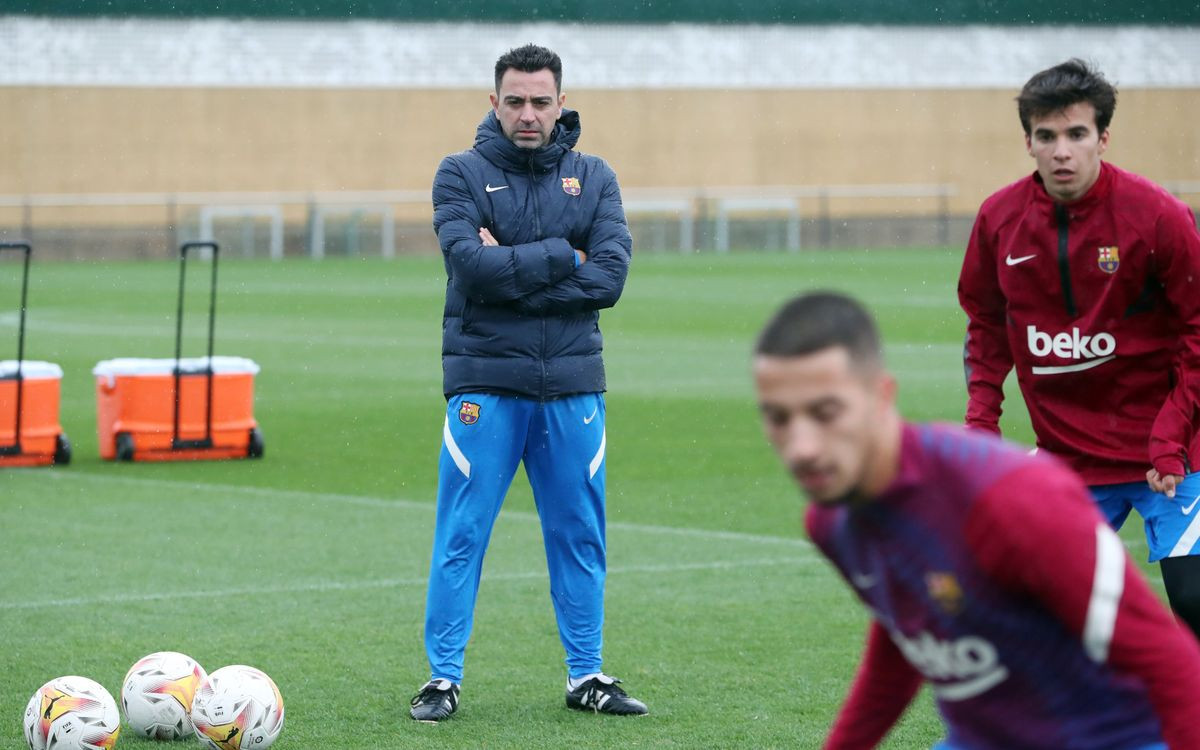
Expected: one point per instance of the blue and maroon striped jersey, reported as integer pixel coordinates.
(1024, 616)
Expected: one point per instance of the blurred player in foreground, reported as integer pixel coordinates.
(1025, 616)
(1085, 278)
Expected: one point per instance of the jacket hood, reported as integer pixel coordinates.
(491, 142)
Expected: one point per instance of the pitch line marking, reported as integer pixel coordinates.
(428, 507)
(327, 586)
(157, 332)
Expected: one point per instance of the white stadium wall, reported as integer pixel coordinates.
(177, 106)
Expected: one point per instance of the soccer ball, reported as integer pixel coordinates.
(238, 708)
(157, 695)
(72, 713)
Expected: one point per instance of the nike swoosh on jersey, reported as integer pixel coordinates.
(863, 580)
(1059, 369)
(588, 420)
(1188, 508)
(491, 189)
(1011, 261)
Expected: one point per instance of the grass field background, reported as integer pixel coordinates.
(310, 564)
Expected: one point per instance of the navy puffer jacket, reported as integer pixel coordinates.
(523, 318)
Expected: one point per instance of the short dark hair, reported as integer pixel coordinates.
(820, 320)
(1057, 88)
(530, 59)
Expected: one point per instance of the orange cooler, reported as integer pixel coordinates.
(135, 409)
(42, 439)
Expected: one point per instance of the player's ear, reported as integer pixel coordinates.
(888, 388)
(1028, 144)
(495, 100)
(562, 99)
(1103, 143)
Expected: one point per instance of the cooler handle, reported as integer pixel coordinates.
(176, 442)
(15, 448)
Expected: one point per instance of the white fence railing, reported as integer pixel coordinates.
(791, 206)
(200, 215)
(317, 223)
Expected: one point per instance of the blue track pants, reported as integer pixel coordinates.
(562, 445)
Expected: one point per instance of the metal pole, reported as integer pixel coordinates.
(212, 322)
(179, 339)
(943, 219)
(825, 220)
(15, 448)
(172, 231)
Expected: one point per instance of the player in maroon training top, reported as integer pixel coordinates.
(989, 573)
(1085, 278)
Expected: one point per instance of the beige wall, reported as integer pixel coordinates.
(68, 140)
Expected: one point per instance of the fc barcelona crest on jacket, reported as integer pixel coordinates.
(468, 413)
(571, 186)
(1109, 258)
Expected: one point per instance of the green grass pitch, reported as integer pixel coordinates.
(310, 564)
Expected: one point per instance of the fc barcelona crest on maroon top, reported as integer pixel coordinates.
(944, 589)
(571, 186)
(1109, 258)
(468, 413)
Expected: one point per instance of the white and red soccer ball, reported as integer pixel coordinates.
(72, 713)
(157, 695)
(238, 708)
